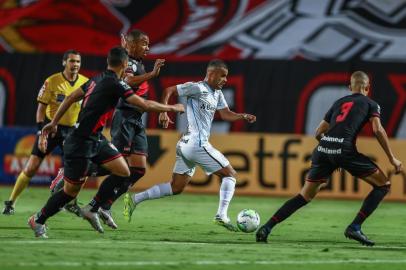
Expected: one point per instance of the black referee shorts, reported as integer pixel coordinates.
(61, 133)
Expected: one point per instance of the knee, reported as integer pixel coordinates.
(136, 173)
(384, 188)
(124, 172)
(31, 169)
(177, 189)
(71, 189)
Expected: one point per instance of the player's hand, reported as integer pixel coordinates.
(123, 40)
(179, 108)
(249, 118)
(164, 120)
(49, 129)
(42, 143)
(157, 67)
(397, 164)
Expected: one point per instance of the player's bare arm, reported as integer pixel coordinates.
(228, 115)
(164, 119)
(51, 127)
(321, 129)
(40, 118)
(382, 138)
(153, 106)
(137, 80)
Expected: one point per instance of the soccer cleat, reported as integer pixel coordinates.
(73, 208)
(129, 207)
(358, 235)
(262, 235)
(107, 218)
(8, 208)
(225, 222)
(40, 230)
(92, 217)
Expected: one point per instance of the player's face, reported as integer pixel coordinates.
(72, 64)
(217, 77)
(138, 48)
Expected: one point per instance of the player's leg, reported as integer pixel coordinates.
(29, 171)
(137, 164)
(22, 182)
(74, 171)
(174, 187)
(362, 167)
(318, 175)
(182, 173)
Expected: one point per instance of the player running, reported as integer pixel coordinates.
(86, 143)
(336, 149)
(56, 87)
(203, 99)
(127, 130)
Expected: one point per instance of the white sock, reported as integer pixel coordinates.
(226, 194)
(154, 192)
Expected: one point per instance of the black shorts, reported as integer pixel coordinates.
(323, 165)
(61, 133)
(128, 133)
(81, 152)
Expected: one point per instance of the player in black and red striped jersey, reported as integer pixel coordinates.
(86, 144)
(337, 134)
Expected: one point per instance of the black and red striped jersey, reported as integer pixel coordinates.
(135, 68)
(102, 93)
(347, 116)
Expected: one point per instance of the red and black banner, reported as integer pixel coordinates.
(286, 96)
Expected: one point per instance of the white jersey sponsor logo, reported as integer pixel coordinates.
(201, 104)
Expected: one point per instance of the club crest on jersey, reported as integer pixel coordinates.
(132, 66)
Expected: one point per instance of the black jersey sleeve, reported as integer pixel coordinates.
(125, 90)
(374, 109)
(86, 85)
(329, 114)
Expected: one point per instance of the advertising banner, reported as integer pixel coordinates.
(271, 165)
(266, 164)
(16, 145)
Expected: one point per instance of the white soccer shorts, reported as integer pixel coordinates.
(207, 157)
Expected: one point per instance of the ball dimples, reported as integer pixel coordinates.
(248, 220)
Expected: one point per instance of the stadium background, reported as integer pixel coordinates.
(288, 60)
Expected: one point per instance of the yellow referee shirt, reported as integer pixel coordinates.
(54, 91)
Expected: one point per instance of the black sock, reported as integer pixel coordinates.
(286, 210)
(136, 174)
(371, 202)
(106, 191)
(53, 205)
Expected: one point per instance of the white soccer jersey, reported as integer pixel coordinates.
(202, 103)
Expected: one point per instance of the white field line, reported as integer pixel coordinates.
(180, 243)
(206, 262)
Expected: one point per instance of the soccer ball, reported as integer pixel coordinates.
(248, 220)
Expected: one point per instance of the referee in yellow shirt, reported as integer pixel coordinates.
(55, 89)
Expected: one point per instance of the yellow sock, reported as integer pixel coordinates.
(21, 183)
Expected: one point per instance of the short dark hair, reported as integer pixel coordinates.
(217, 63)
(71, 51)
(135, 34)
(117, 56)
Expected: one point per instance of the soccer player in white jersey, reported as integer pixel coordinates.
(203, 99)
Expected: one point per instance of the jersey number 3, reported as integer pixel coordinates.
(345, 109)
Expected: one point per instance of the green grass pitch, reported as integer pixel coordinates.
(178, 233)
